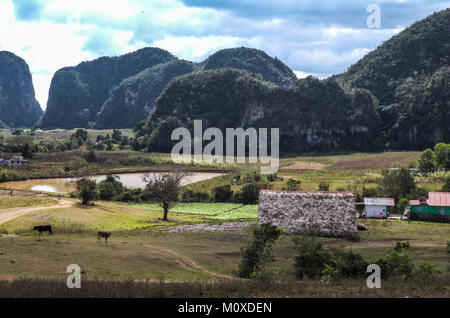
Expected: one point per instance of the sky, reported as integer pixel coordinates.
(313, 37)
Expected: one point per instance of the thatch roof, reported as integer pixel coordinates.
(328, 214)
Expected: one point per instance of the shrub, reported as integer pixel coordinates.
(396, 264)
(311, 258)
(400, 246)
(111, 188)
(252, 176)
(272, 177)
(293, 185)
(351, 264)
(190, 196)
(223, 194)
(76, 164)
(425, 270)
(324, 186)
(250, 193)
(90, 156)
(258, 253)
(446, 187)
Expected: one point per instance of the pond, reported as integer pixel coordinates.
(66, 185)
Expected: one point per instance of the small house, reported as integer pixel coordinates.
(434, 209)
(327, 214)
(18, 161)
(378, 208)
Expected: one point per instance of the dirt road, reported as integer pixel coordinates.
(12, 214)
(185, 262)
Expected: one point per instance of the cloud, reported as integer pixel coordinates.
(317, 37)
(28, 10)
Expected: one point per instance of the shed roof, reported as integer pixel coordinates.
(439, 199)
(379, 201)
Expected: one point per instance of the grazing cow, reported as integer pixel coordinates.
(104, 235)
(42, 229)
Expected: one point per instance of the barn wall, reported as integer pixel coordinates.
(323, 213)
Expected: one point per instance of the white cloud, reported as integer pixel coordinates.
(299, 33)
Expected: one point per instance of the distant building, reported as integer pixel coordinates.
(378, 208)
(15, 161)
(434, 209)
(327, 214)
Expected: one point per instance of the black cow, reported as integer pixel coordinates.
(42, 229)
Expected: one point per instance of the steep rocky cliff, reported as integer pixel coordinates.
(78, 93)
(18, 105)
(134, 99)
(312, 115)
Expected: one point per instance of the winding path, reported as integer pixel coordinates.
(12, 214)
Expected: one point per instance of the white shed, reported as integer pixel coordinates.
(378, 208)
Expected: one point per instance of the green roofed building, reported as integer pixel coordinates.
(434, 209)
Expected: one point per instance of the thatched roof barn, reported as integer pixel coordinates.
(328, 214)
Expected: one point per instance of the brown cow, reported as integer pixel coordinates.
(104, 235)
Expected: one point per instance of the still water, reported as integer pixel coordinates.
(130, 180)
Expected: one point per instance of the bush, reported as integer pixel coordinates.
(400, 246)
(351, 264)
(257, 254)
(223, 194)
(250, 193)
(311, 258)
(190, 196)
(324, 186)
(446, 187)
(272, 177)
(252, 176)
(111, 188)
(396, 264)
(293, 185)
(90, 156)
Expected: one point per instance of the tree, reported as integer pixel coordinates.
(427, 161)
(90, 156)
(110, 188)
(116, 136)
(17, 132)
(223, 193)
(442, 154)
(81, 135)
(403, 204)
(164, 188)
(446, 187)
(398, 184)
(259, 252)
(86, 190)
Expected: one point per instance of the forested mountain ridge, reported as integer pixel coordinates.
(396, 97)
(312, 115)
(18, 105)
(78, 93)
(409, 76)
(133, 99)
(122, 99)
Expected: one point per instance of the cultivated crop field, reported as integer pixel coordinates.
(218, 211)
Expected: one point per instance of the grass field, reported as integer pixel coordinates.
(7, 202)
(201, 264)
